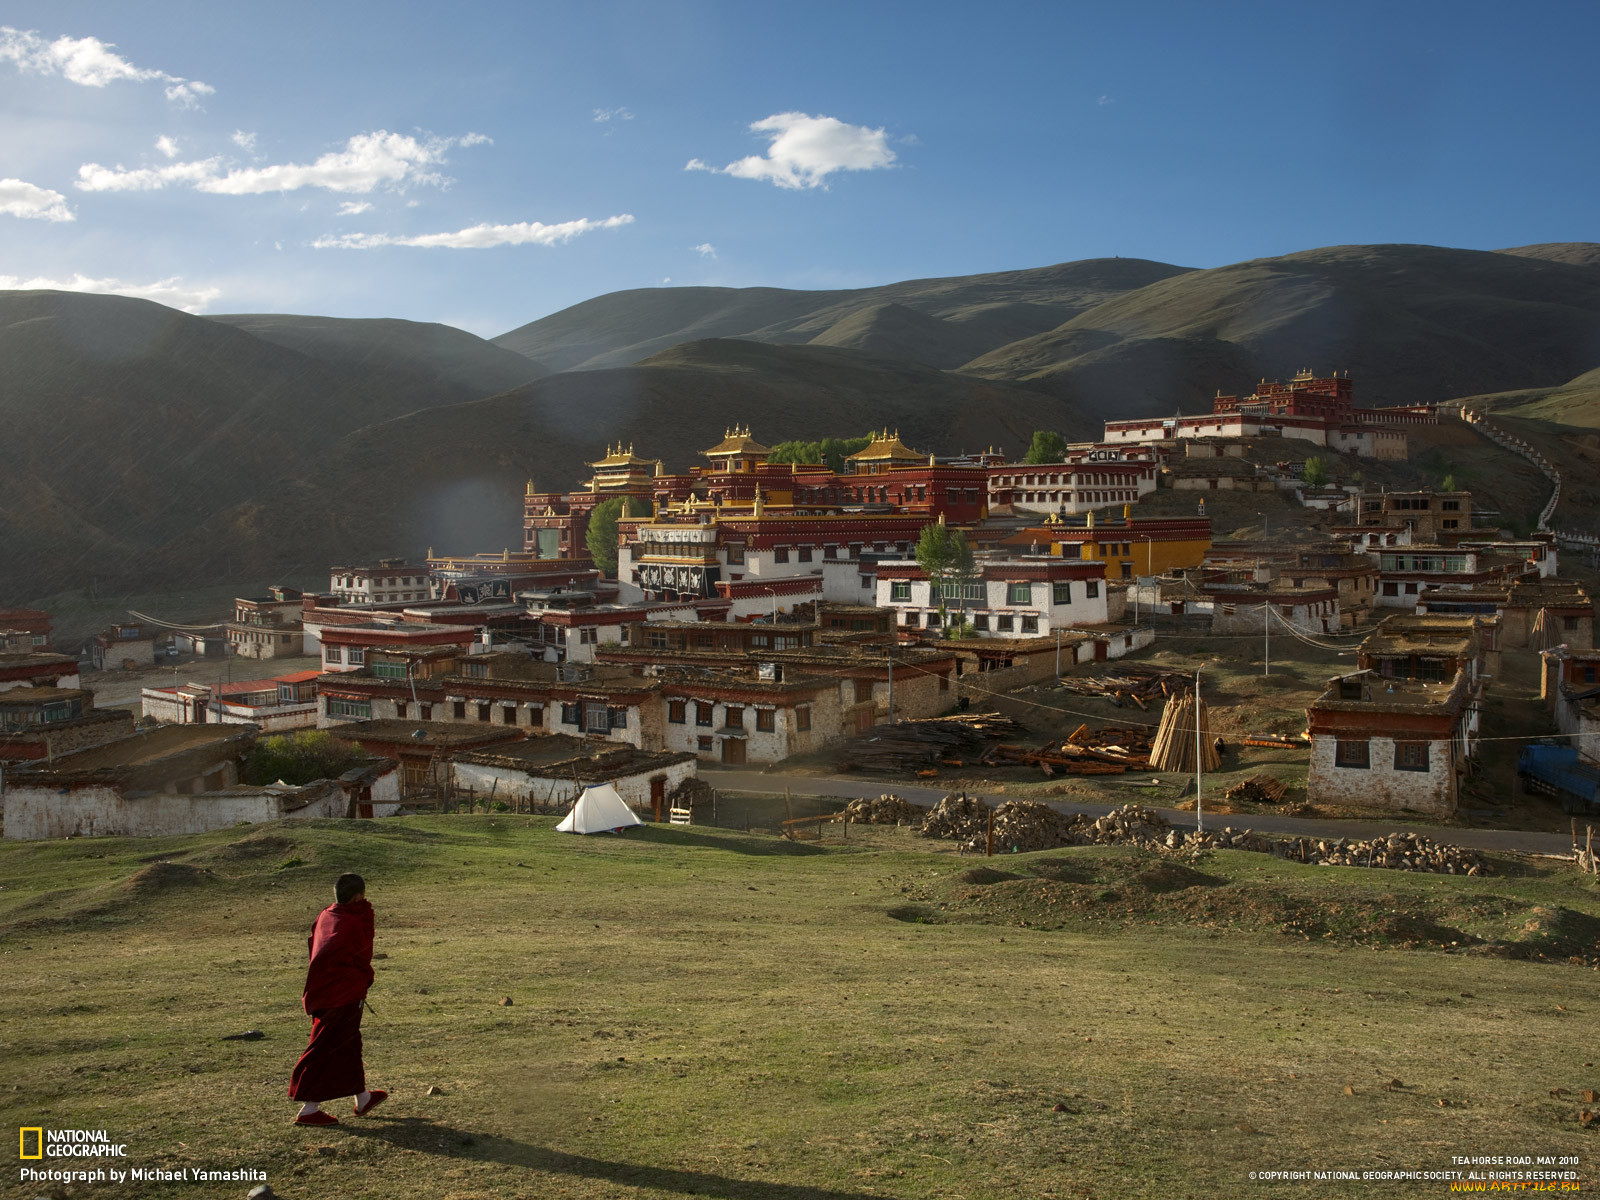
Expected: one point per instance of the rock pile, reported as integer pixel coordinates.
(1397, 852)
(1130, 825)
(961, 818)
(887, 809)
(1024, 825)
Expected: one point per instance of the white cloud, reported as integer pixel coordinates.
(19, 199)
(1104, 100)
(354, 208)
(475, 139)
(476, 237)
(805, 150)
(92, 177)
(602, 115)
(245, 141)
(90, 63)
(706, 250)
(167, 146)
(367, 161)
(173, 291)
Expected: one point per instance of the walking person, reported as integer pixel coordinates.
(337, 980)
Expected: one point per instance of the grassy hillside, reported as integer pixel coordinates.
(625, 327)
(423, 350)
(1410, 323)
(453, 477)
(697, 1011)
(128, 423)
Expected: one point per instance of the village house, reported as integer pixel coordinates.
(1570, 684)
(38, 669)
(425, 750)
(345, 647)
(1432, 648)
(1539, 551)
(748, 719)
(1129, 545)
(266, 626)
(124, 645)
(1242, 608)
(1018, 597)
(1534, 613)
(555, 768)
(272, 705)
(389, 580)
(47, 722)
(1405, 573)
(1089, 477)
(1432, 517)
(1397, 744)
(31, 626)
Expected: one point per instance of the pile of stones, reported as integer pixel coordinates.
(1397, 852)
(887, 809)
(960, 818)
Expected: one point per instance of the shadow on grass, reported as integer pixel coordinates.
(429, 1137)
(735, 840)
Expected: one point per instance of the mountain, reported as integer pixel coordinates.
(127, 422)
(440, 354)
(466, 465)
(1410, 323)
(985, 311)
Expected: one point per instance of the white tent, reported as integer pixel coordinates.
(598, 810)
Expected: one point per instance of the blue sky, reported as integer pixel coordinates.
(487, 164)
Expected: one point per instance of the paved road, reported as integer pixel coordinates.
(841, 785)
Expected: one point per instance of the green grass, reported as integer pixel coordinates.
(713, 1013)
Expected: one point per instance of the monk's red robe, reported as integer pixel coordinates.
(336, 983)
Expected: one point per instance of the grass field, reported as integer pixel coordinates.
(706, 1012)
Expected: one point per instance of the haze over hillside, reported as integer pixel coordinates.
(147, 445)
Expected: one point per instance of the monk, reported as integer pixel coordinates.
(336, 990)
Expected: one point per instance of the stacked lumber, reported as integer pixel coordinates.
(1174, 745)
(1258, 789)
(962, 818)
(1277, 740)
(916, 745)
(1107, 751)
(692, 793)
(887, 809)
(1133, 683)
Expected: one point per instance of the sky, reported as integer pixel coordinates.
(486, 164)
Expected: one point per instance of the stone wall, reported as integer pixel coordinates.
(1380, 785)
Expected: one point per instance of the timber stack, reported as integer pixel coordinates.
(1174, 745)
(962, 818)
(1258, 789)
(923, 746)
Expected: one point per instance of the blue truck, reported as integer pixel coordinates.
(1551, 769)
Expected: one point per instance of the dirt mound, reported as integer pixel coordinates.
(161, 877)
(1171, 877)
(261, 845)
(983, 876)
(916, 914)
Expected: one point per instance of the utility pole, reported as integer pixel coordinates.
(1058, 645)
(1199, 777)
(891, 681)
(1266, 637)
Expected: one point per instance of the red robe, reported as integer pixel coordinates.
(336, 983)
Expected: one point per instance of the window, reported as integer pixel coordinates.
(458, 709)
(863, 690)
(1091, 589)
(900, 589)
(1030, 624)
(704, 641)
(1351, 753)
(830, 552)
(400, 709)
(1061, 593)
(332, 654)
(425, 712)
(357, 656)
(359, 709)
(766, 720)
(508, 714)
(736, 552)
(912, 620)
(944, 681)
(735, 717)
(588, 635)
(868, 582)
(805, 553)
(1569, 623)
(1019, 593)
(677, 712)
(389, 670)
(1450, 505)
(619, 718)
(703, 714)
(1003, 623)
(657, 639)
(1391, 589)
(802, 717)
(705, 745)
(1588, 674)
(934, 620)
(980, 621)
(596, 718)
(1411, 756)
(780, 554)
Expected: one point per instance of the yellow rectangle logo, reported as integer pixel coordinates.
(38, 1142)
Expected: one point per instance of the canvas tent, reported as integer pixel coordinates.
(598, 810)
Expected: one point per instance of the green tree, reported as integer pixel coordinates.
(300, 757)
(1316, 472)
(602, 535)
(947, 560)
(1047, 447)
(1448, 483)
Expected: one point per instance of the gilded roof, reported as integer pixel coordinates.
(737, 441)
(616, 456)
(886, 446)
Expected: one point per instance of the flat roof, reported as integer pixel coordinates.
(40, 695)
(562, 754)
(149, 747)
(434, 733)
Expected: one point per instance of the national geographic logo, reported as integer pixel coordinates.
(36, 1142)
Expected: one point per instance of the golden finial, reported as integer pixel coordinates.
(530, 487)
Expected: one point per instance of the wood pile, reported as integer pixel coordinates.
(886, 809)
(1130, 683)
(1277, 741)
(1173, 748)
(692, 793)
(915, 745)
(1108, 751)
(961, 818)
(1024, 825)
(1132, 824)
(1258, 789)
